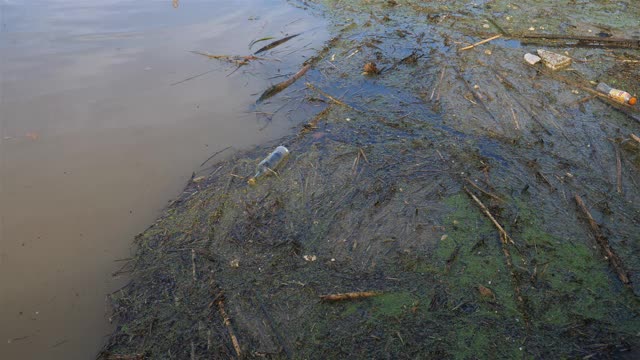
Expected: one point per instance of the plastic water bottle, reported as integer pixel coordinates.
(617, 95)
(270, 163)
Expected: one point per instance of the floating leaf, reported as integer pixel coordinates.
(275, 43)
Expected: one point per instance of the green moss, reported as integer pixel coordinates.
(392, 304)
(479, 260)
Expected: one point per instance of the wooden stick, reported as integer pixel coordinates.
(481, 42)
(283, 85)
(618, 170)
(483, 191)
(227, 323)
(349, 296)
(503, 234)
(505, 240)
(193, 264)
(476, 95)
(437, 87)
(635, 137)
(515, 119)
(608, 252)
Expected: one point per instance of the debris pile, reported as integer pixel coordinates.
(458, 203)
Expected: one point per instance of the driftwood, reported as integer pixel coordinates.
(275, 89)
(614, 259)
(349, 296)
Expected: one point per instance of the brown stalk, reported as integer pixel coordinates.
(614, 259)
(349, 296)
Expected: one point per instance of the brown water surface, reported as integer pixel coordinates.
(95, 139)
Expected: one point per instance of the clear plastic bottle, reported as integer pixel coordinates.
(270, 163)
(617, 95)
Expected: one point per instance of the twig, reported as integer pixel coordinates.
(216, 153)
(193, 264)
(618, 170)
(349, 296)
(363, 155)
(481, 42)
(505, 240)
(635, 137)
(437, 87)
(613, 258)
(504, 237)
(529, 112)
(484, 191)
(452, 258)
(273, 328)
(494, 23)
(325, 50)
(193, 77)
(273, 90)
(476, 95)
(227, 323)
(515, 118)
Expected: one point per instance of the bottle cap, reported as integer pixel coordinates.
(633, 100)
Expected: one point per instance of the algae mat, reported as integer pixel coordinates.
(448, 184)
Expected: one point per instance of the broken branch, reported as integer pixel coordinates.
(503, 234)
(283, 85)
(349, 296)
(618, 170)
(484, 191)
(227, 323)
(614, 259)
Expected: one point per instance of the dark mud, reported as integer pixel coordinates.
(380, 188)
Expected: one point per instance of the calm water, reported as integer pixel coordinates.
(95, 139)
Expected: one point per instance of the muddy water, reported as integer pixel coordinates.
(95, 140)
